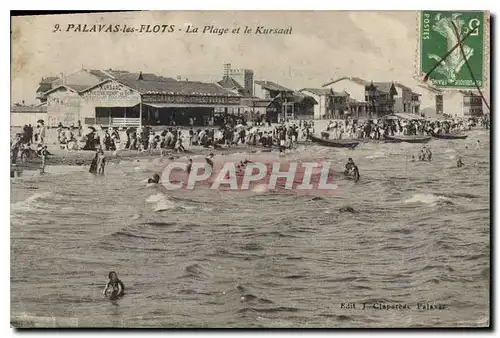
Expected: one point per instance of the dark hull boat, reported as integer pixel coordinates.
(334, 143)
(409, 139)
(450, 136)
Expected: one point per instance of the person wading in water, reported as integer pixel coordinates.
(114, 286)
(351, 169)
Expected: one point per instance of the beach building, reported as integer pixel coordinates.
(381, 98)
(44, 86)
(463, 103)
(122, 98)
(243, 77)
(355, 87)
(21, 115)
(431, 100)
(473, 103)
(406, 100)
(367, 99)
(256, 105)
(282, 103)
(263, 97)
(329, 104)
(286, 104)
(238, 81)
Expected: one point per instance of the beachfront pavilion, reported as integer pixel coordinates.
(133, 99)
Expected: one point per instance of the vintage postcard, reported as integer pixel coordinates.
(250, 169)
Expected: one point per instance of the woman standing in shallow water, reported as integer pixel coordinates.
(93, 164)
(114, 286)
(98, 163)
(101, 161)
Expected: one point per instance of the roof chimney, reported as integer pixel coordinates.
(140, 76)
(227, 68)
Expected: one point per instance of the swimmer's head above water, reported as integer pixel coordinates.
(112, 276)
(154, 179)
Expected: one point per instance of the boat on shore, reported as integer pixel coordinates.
(450, 136)
(334, 143)
(408, 138)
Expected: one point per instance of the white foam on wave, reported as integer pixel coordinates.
(161, 202)
(32, 202)
(450, 150)
(376, 155)
(429, 199)
(141, 168)
(155, 198)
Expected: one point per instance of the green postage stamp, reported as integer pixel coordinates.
(453, 48)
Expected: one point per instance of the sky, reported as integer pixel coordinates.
(378, 46)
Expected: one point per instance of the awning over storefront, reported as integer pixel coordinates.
(185, 105)
(158, 105)
(403, 116)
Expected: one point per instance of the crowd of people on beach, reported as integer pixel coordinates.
(377, 129)
(172, 139)
(233, 131)
(20, 147)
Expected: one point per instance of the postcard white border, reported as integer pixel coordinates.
(192, 5)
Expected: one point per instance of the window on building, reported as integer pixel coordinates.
(476, 101)
(439, 103)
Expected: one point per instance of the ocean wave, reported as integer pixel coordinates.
(376, 155)
(458, 194)
(159, 224)
(27, 320)
(35, 201)
(249, 298)
(162, 202)
(429, 199)
(299, 276)
(195, 271)
(338, 317)
(404, 231)
(124, 233)
(252, 247)
(269, 310)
